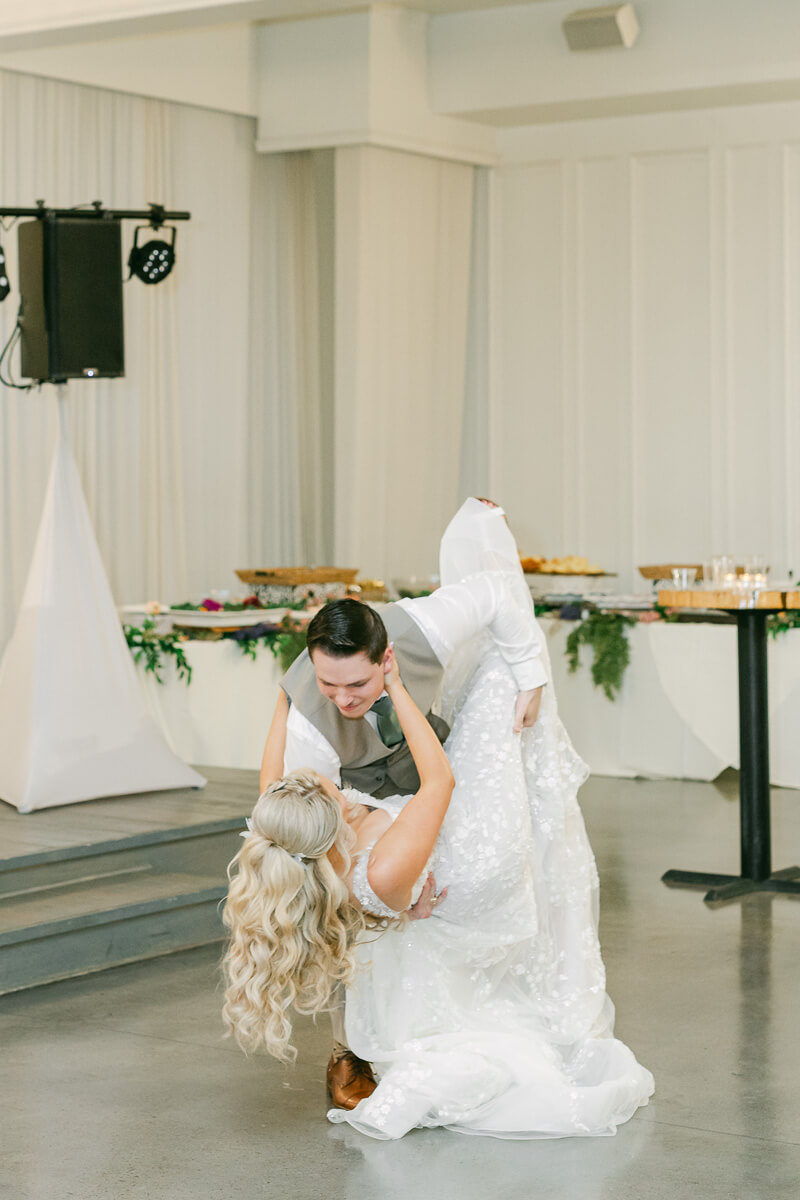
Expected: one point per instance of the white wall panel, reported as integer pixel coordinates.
(670, 368)
(645, 396)
(530, 455)
(602, 351)
(753, 392)
(790, 345)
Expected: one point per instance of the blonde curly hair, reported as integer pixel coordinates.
(293, 928)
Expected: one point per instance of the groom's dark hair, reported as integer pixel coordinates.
(345, 627)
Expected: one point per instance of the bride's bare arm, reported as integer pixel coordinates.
(275, 748)
(400, 854)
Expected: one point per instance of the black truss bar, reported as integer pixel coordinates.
(96, 211)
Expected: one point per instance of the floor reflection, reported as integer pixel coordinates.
(755, 1011)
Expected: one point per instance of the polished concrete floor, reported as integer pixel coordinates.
(119, 1086)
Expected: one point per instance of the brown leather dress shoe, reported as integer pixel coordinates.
(349, 1080)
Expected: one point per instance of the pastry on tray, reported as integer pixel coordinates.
(571, 564)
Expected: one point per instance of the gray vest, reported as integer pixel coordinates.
(366, 763)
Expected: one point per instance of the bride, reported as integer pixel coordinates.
(491, 1017)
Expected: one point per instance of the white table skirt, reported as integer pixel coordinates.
(676, 716)
(221, 719)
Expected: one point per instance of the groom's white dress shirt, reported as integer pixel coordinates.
(447, 619)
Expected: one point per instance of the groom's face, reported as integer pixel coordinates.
(352, 683)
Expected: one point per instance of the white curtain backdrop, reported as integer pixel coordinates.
(289, 460)
(206, 457)
(159, 452)
(294, 391)
(403, 242)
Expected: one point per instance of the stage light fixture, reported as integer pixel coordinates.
(5, 286)
(152, 261)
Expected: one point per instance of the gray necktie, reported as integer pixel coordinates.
(389, 729)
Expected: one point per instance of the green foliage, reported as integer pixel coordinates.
(782, 622)
(149, 647)
(605, 633)
(666, 614)
(289, 644)
(285, 643)
(235, 606)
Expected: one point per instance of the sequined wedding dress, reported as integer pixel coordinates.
(492, 1017)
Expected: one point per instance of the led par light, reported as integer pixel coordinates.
(152, 261)
(5, 286)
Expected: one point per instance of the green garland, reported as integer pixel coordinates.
(285, 644)
(782, 622)
(151, 648)
(148, 646)
(605, 633)
(235, 606)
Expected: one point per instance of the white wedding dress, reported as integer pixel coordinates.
(492, 1017)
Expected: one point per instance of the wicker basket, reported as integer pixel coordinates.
(297, 576)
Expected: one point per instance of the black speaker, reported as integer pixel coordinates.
(70, 280)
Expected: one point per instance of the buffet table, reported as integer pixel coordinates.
(676, 715)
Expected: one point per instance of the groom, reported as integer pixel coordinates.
(342, 724)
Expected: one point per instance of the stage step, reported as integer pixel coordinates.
(107, 882)
(197, 849)
(75, 928)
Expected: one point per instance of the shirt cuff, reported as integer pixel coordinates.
(529, 675)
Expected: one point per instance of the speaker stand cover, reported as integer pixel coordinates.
(73, 724)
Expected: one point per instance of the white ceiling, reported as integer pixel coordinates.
(490, 62)
(37, 23)
(280, 10)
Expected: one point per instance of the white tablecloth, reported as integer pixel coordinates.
(221, 719)
(677, 713)
(676, 716)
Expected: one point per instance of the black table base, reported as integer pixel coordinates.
(729, 887)
(754, 807)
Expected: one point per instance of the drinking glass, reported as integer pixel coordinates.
(721, 566)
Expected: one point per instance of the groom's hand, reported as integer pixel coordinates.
(526, 709)
(427, 901)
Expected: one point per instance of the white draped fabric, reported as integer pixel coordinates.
(72, 722)
(403, 238)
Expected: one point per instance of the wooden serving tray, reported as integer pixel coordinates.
(724, 598)
(792, 599)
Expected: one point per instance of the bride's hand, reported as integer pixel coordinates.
(526, 709)
(391, 670)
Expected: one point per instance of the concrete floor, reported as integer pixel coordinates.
(119, 1085)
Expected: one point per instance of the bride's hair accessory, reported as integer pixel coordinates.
(246, 833)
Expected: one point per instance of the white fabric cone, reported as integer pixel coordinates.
(73, 725)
